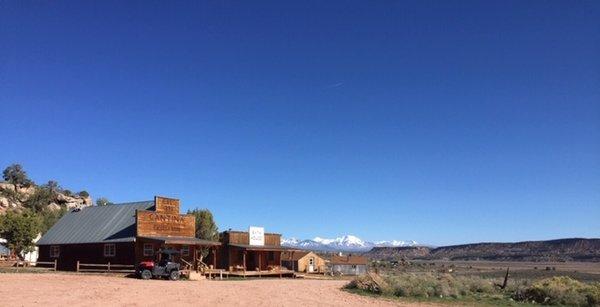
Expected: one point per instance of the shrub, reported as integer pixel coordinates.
(444, 285)
(562, 291)
(84, 194)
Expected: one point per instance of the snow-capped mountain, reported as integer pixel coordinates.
(344, 243)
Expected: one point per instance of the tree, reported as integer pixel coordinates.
(103, 201)
(84, 194)
(49, 217)
(19, 230)
(206, 229)
(40, 199)
(16, 175)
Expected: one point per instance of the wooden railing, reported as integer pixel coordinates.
(105, 268)
(42, 265)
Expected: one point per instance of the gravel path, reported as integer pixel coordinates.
(63, 289)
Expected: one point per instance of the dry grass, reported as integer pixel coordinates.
(431, 286)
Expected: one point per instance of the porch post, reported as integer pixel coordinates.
(293, 262)
(259, 262)
(280, 263)
(214, 258)
(195, 264)
(244, 258)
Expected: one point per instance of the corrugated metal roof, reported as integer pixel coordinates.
(111, 223)
(349, 259)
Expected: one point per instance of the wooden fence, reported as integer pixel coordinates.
(105, 268)
(42, 265)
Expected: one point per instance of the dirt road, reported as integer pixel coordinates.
(62, 289)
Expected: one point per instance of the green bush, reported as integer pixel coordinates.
(444, 285)
(562, 291)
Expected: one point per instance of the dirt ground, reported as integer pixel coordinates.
(62, 289)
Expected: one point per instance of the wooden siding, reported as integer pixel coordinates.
(166, 205)
(150, 223)
(242, 237)
(88, 253)
(301, 264)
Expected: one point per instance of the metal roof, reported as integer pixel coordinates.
(98, 224)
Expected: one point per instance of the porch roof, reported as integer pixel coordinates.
(262, 247)
(182, 240)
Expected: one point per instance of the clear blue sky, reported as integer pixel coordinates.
(433, 121)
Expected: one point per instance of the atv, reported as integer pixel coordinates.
(164, 267)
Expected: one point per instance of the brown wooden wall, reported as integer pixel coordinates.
(242, 237)
(88, 253)
(229, 256)
(150, 223)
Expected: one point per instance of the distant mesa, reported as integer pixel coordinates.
(575, 249)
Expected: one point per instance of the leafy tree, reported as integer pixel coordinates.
(206, 229)
(84, 194)
(49, 217)
(40, 199)
(53, 186)
(16, 175)
(19, 230)
(103, 201)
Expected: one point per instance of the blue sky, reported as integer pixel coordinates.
(426, 120)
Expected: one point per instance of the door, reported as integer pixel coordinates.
(311, 265)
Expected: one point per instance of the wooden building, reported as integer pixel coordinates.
(123, 234)
(258, 254)
(348, 264)
(304, 261)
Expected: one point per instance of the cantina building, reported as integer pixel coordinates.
(124, 234)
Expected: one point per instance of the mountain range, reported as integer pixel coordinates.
(343, 243)
(572, 249)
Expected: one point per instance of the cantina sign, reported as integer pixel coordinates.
(150, 223)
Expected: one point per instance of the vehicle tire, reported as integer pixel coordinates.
(174, 275)
(146, 274)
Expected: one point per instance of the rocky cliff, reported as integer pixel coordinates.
(18, 198)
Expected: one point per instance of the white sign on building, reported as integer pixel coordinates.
(257, 235)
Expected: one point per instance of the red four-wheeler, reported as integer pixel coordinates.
(164, 267)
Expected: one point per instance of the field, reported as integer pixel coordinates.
(482, 282)
(583, 271)
(65, 289)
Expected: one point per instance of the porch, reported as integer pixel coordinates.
(250, 260)
(191, 250)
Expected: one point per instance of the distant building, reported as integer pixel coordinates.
(31, 256)
(304, 261)
(4, 251)
(348, 264)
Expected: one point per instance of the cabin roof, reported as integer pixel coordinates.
(97, 224)
(348, 259)
(295, 256)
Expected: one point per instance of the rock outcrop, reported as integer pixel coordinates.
(11, 198)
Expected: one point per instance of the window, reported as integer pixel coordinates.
(311, 261)
(185, 250)
(54, 251)
(148, 249)
(109, 250)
